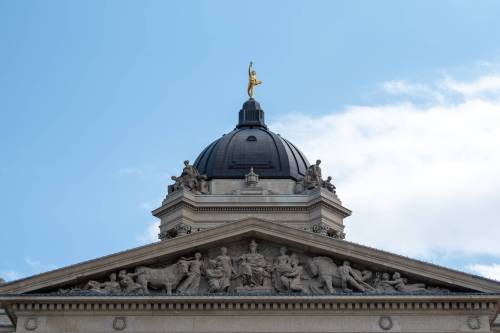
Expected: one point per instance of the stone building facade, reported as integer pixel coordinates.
(252, 240)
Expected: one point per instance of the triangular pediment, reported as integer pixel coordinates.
(285, 260)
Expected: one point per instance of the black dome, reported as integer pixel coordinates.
(251, 144)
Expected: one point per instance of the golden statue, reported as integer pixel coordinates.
(252, 80)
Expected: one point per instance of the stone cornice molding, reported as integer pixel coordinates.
(477, 304)
(269, 203)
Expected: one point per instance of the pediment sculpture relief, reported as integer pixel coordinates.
(249, 267)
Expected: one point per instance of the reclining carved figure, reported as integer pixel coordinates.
(342, 277)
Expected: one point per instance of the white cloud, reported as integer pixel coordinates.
(482, 85)
(149, 235)
(11, 275)
(415, 90)
(37, 267)
(489, 271)
(33, 267)
(420, 179)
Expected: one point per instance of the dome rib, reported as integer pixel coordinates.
(295, 151)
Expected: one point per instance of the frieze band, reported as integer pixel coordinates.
(251, 272)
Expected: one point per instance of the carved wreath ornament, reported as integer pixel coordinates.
(474, 323)
(120, 323)
(385, 323)
(31, 323)
(272, 269)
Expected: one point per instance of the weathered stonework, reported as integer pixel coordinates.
(203, 211)
(247, 266)
(256, 314)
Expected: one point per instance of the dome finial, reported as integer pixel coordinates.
(251, 115)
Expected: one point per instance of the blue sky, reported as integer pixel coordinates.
(101, 101)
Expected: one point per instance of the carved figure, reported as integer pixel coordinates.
(72, 291)
(329, 185)
(215, 276)
(326, 270)
(252, 267)
(163, 278)
(177, 185)
(189, 179)
(190, 176)
(351, 278)
(382, 283)
(225, 262)
(94, 286)
(111, 286)
(252, 80)
(283, 261)
(312, 179)
(330, 275)
(128, 283)
(292, 280)
(192, 281)
(315, 172)
(282, 266)
(107, 287)
(400, 284)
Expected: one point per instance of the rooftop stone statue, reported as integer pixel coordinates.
(313, 179)
(190, 179)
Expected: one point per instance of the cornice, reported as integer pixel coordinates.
(196, 203)
(486, 304)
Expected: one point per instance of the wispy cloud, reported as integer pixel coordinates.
(446, 90)
(10, 275)
(490, 271)
(413, 90)
(149, 235)
(32, 267)
(38, 267)
(420, 178)
(481, 86)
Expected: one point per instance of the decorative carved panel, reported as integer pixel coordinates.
(253, 267)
